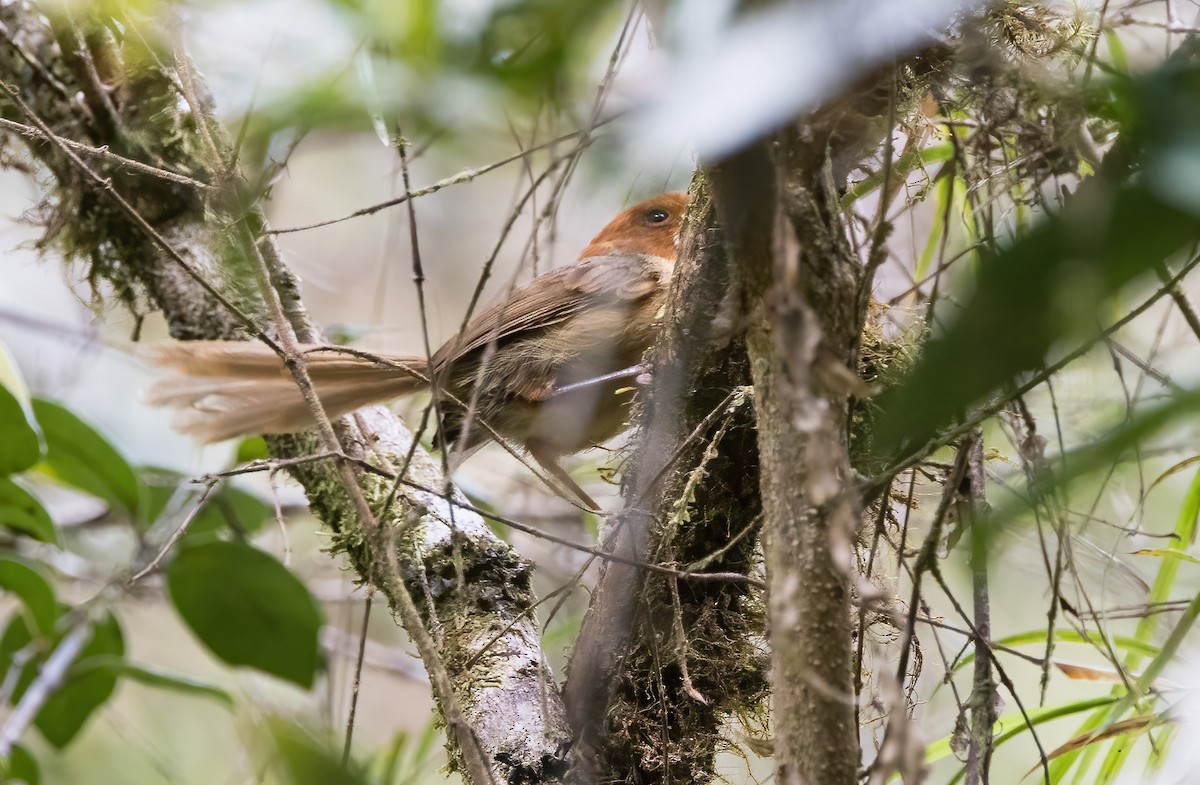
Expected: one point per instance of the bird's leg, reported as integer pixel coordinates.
(634, 370)
(548, 461)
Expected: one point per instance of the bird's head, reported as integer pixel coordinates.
(650, 227)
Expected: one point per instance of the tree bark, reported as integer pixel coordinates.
(805, 296)
(972, 510)
(796, 341)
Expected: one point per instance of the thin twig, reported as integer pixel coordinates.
(693, 572)
(465, 176)
(358, 668)
(388, 573)
(1001, 672)
(1181, 300)
(49, 679)
(972, 511)
(927, 557)
(876, 484)
(1129, 19)
(681, 643)
(209, 486)
(279, 522)
(104, 154)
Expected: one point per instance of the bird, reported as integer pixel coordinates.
(549, 368)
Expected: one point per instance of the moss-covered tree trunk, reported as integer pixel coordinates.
(779, 305)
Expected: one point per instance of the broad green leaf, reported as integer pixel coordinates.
(11, 378)
(68, 708)
(21, 767)
(26, 581)
(22, 512)
(304, 760)
(151, 677)
(80, 457)
(20, 445)
(247, 608)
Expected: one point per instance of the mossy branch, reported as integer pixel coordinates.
(161, 242)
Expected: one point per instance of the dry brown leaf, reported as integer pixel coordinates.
(1133, 726)
(1108, 675)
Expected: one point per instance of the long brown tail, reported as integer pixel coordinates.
(223, 389)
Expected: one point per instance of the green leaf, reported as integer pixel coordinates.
(1166, 553)
(906, 163)
(27, 582)
(304, 760)
(80, 457)
(65, 713)
(20, 767)
(1116, 50)
(20, 445)
(1064, 636)
(1014, 724)
(151, 677)
(22, 512)
(68, 708)
(252, 449)
(247, 608)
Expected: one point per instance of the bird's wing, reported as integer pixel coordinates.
(557, 296)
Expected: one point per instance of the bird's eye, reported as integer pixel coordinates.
(657, 216)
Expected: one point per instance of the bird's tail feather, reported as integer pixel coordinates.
(223, 389)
